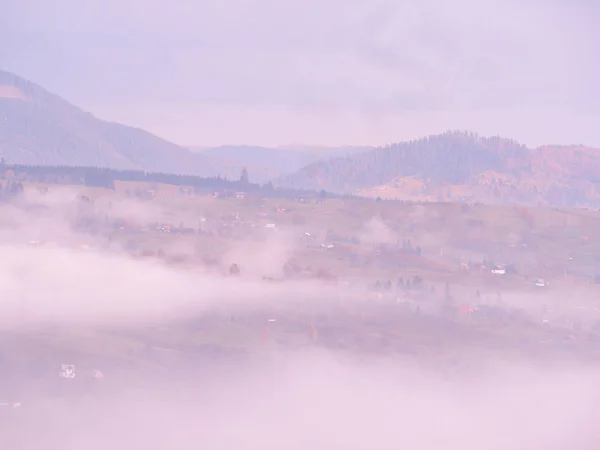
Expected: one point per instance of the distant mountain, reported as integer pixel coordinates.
(327, 152)
(37, 127)
(268, 163)
(462, 166)
(262, 163)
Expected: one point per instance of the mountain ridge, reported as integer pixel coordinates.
(490, 169)
(39, 127)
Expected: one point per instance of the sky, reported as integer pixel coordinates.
(328, 72)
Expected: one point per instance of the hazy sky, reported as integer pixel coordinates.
(316, 71)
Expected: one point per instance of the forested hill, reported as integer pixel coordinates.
(446, 158)
(462, 166)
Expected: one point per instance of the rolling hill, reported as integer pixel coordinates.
(40, 128)
(462, 166)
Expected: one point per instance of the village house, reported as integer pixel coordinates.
(498, 270)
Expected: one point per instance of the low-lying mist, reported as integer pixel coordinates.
(309, 397)
(58, 273)
(310, 400)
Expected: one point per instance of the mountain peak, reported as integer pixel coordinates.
(28, 88)
(14, 87)
(45, 129)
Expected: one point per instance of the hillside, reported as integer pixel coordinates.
(462, 166)
(40, 128)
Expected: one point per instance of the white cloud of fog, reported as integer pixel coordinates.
(264, 257)
(376, 231)
(331, 72)
(318, 403)
(59, 281)
(282, 399)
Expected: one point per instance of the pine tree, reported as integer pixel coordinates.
(244, 176)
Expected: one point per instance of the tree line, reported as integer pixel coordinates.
(106, 178)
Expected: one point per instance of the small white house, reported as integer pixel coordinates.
(67, 371)
(498, 270)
